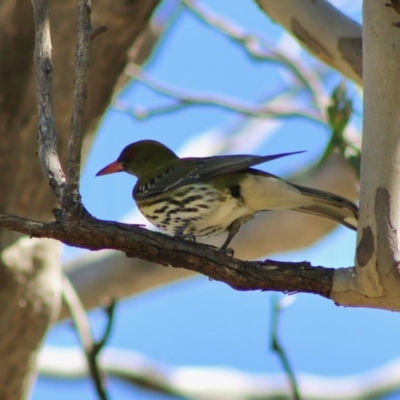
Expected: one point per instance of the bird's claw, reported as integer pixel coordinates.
(186, 236)
(228, 251)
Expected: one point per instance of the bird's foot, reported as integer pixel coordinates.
(228, 251)
(185, 236)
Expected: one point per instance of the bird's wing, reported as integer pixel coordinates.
(194, 170)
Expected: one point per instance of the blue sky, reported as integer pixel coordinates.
(200, 322)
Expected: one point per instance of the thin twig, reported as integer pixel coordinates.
(108, 305)
(82, 325)
(185, 98)
(140, 113)
(277, 347)
(85, 36)
(146, 45)
(97, 31)
(260, 50)
(47, 135)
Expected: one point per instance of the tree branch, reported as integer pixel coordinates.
(219, 383)
(94, 234)
(323, 30)
(185, 99)
(71, 195)
(276, 346)
(82, 325)
(47, 135)
(260, 50)
(96, 274)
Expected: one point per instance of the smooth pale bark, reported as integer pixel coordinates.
(219, 383)
(375, 281)
(323, 30)
(32, 275)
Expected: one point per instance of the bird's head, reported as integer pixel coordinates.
(139, 158)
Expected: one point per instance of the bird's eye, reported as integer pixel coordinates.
(130, 153)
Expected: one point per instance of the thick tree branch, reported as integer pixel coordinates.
(219, 383)
(95, 234)
(323, 30)
(48, 155)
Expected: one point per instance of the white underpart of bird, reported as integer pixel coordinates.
(267, 193)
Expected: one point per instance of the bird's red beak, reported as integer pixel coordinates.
(111, 168)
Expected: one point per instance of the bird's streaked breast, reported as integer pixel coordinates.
(199, 209)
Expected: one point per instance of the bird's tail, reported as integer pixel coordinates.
(330, 206)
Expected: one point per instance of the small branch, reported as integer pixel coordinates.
(259, 49)
(146, 45)
(97, 31)
(108, 306)
(47, 135)
(215, 100)
(82, 325)
(85, 34)
(94, 234)
(144, 113)
(277, 347)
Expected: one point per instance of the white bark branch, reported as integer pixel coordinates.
(218, 383)
(111, 273)
(323, 30)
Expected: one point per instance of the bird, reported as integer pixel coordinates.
(206, 196)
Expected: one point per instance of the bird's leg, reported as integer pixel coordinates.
(185, 236)
(233, 229)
